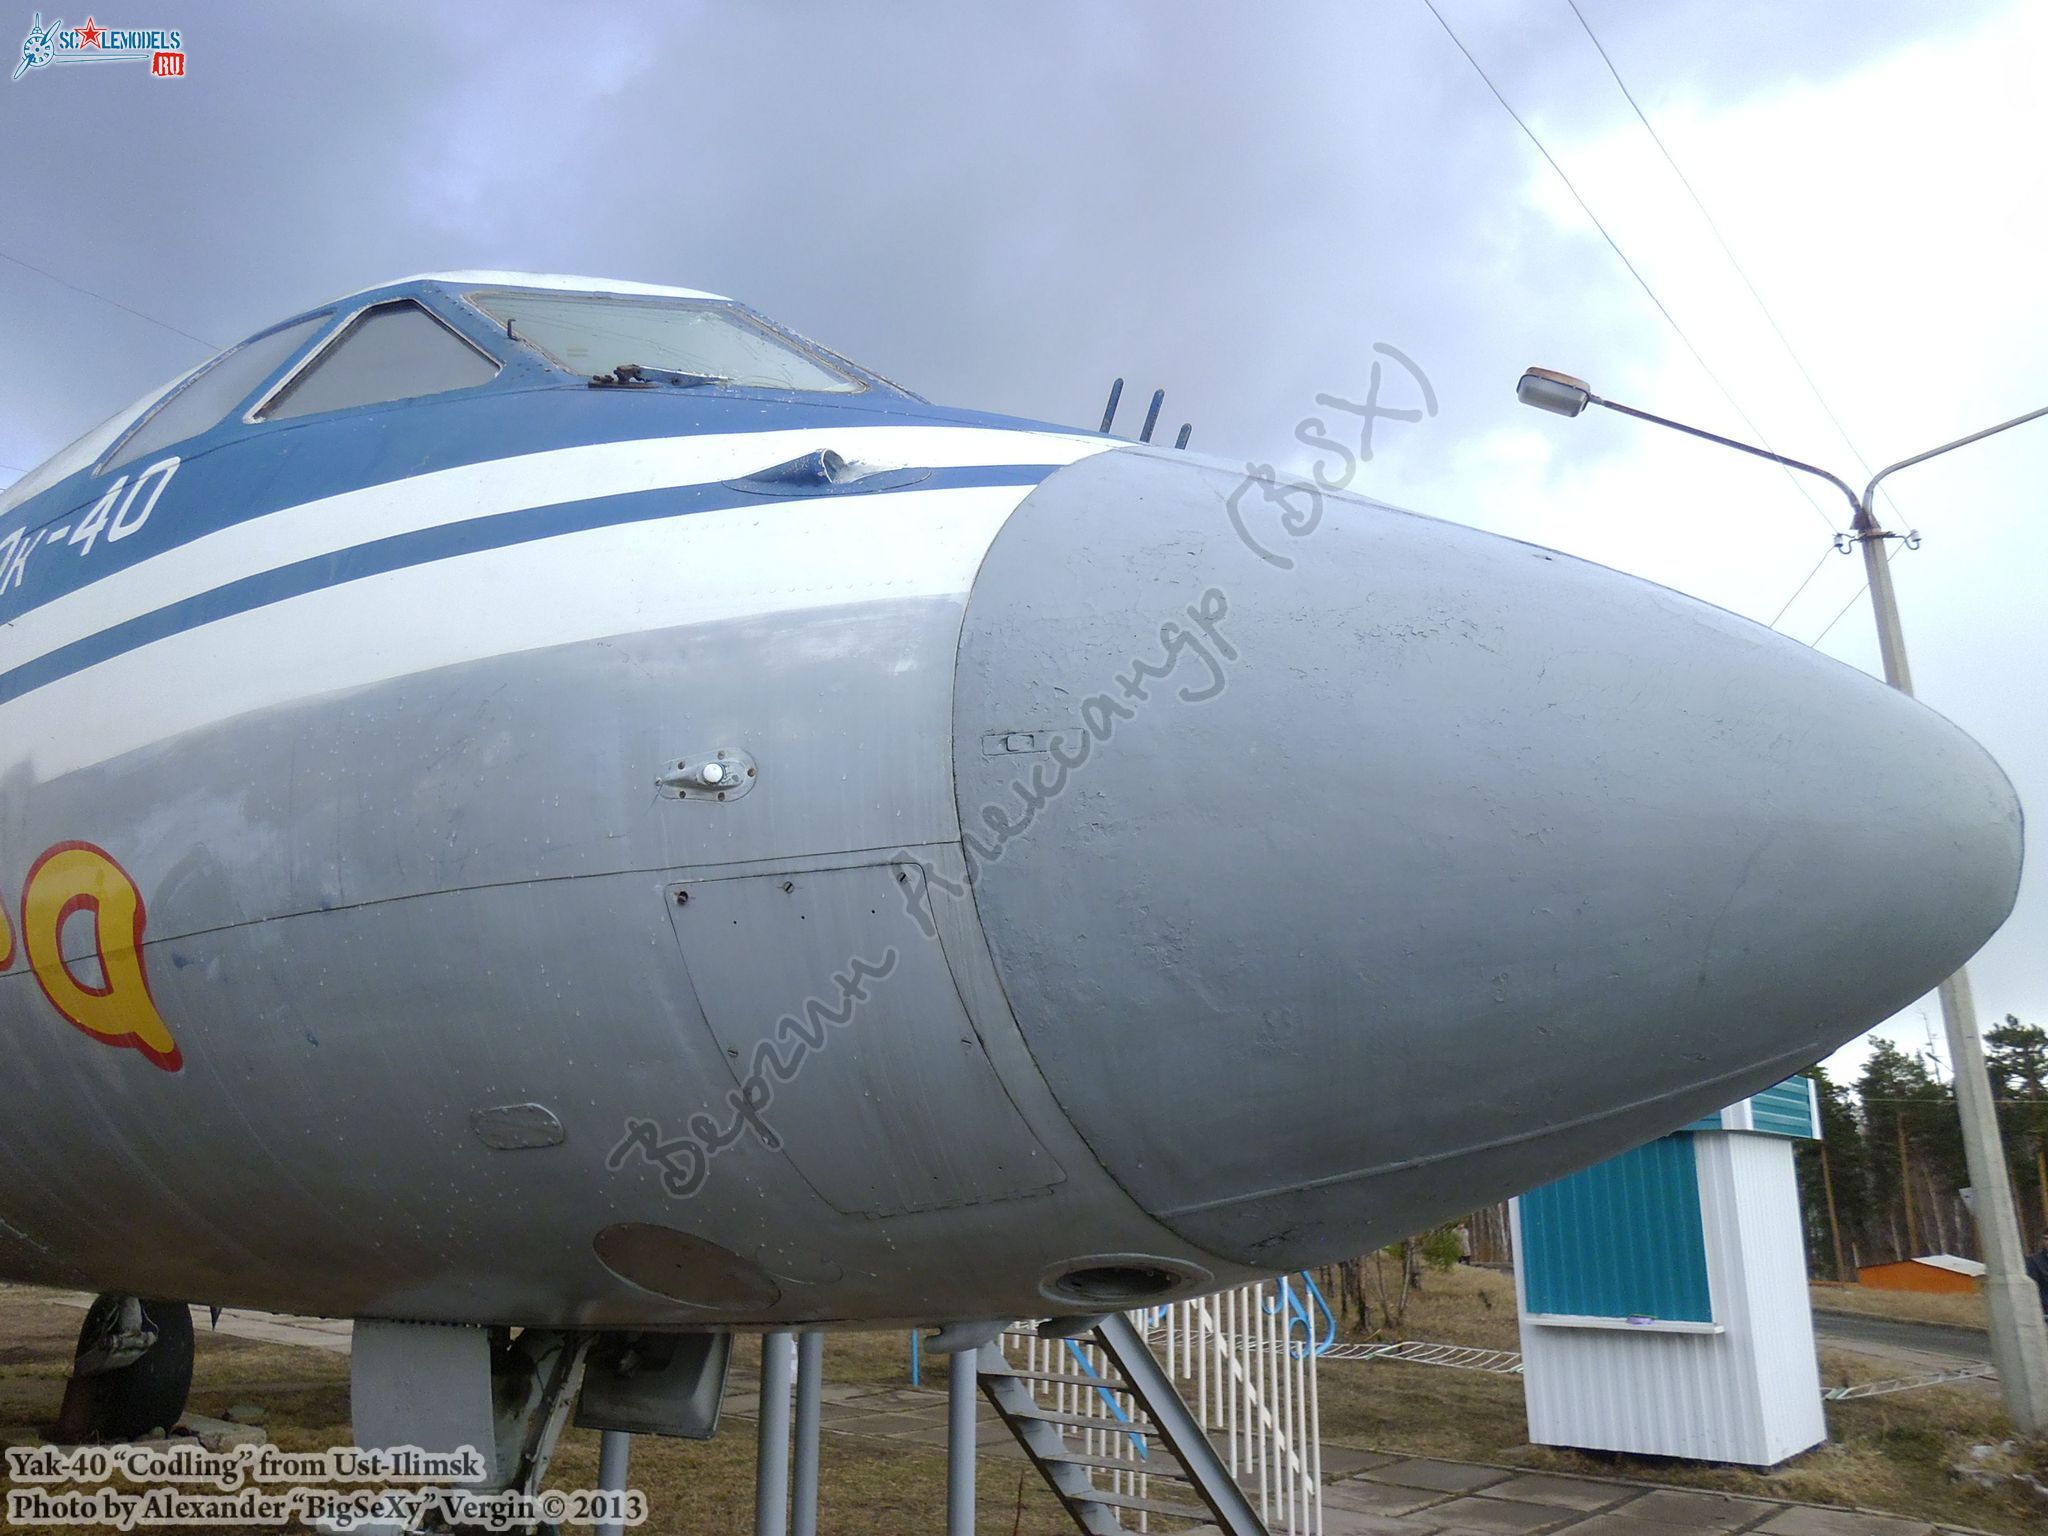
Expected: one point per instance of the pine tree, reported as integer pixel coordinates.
(1837, 1162)
(1910, 1115)
(2017, 1057)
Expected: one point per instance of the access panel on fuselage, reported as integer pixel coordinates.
(847, 1040)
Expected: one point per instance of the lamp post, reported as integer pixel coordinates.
(2019, 1343)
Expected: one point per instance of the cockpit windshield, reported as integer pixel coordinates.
(666, 339)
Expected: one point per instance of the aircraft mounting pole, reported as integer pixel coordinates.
(771, 1465)
(810, 1381)
(960, 1396)
(614, 1454)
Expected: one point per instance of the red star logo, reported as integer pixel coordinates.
(89, 34)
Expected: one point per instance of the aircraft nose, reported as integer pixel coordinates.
(1347, 869)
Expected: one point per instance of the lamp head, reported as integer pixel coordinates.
(1558, 393)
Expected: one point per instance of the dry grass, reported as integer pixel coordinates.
(1466, 1305)
(1900, 1306)
(866, 1487)
(1889, 1453)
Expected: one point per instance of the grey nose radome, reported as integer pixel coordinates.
(1345, 869)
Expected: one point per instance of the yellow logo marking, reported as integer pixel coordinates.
(118, 1010)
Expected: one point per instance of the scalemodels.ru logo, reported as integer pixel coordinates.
(161, 48)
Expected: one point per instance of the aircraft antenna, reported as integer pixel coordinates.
(1116, 393)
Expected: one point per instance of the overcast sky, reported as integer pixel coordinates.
(1007, 206)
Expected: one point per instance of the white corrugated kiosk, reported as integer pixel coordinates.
(1664, 1309)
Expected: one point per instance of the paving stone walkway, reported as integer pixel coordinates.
(1409, 1496)
(1373, 1494)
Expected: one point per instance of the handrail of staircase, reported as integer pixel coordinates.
(1327, 1335)
(1317, 1338)
(1254, 1397)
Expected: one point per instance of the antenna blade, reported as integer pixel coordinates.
(1152, 415)
(1116, 393)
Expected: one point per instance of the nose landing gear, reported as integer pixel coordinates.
(132, 1371)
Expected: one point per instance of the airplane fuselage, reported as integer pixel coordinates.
(572, 853)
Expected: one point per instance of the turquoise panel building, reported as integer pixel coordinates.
(1663, 1293)
(1623, 1239)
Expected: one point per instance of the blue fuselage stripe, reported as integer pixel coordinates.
(238, 472)
(424, 546)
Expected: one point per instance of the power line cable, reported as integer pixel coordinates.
(1615, 246)
(1853, 600)
(105, 299)
(1889, 556)
(1763, 307)
(1812, 385)
(1787, 608)
(1719, 239)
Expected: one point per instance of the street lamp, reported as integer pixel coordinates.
(2019, 1343)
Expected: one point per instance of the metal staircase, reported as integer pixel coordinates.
(1104, 1419)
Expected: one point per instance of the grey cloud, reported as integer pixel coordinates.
(1001, 205)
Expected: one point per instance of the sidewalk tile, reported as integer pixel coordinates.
(1800, 1521)
(1443, 1476)
(1580, 1493)
(909, 1396)
(1697, 1511)
(1342, 1461)
(1616, 1523)
(1345, 1522)
(893, 1426)
(1486, 1516)
(874, 1399)
(1368, 1498)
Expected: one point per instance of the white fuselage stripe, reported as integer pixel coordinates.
(774, 557)
(465, 492)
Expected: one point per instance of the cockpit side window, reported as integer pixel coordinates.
(215, 390)
(693, 342)
(394, 351)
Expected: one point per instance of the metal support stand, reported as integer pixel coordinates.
(614, 1452)
(810, 1381)
(771, 1466)
(960, 1400)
